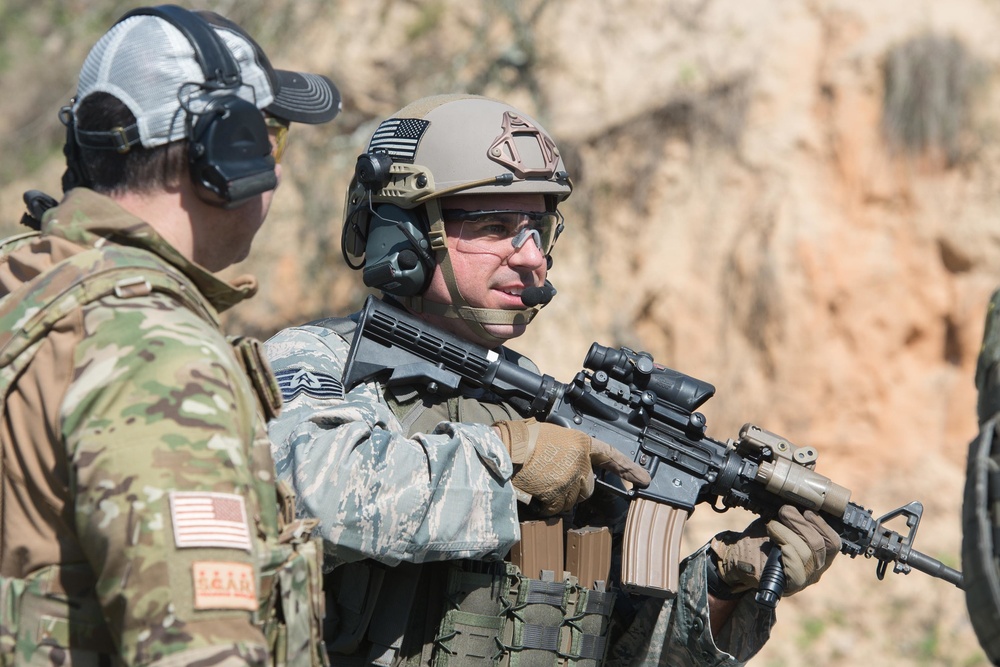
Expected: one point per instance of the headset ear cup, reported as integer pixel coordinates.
(397, 253)
(229, 153)
(76, 170)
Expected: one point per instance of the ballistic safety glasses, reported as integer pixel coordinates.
(501, 232)
(277, 129)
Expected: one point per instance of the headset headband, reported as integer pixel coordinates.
(217, 63)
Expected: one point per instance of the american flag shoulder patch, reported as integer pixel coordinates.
(295, 381)
(209, 519)
(399, 138)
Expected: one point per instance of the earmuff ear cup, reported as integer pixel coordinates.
(230, 153)
(397, 253)
(76, 169)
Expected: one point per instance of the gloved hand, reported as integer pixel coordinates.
(808, 547)
(555, 464)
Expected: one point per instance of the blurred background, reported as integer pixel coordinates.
(795, 200)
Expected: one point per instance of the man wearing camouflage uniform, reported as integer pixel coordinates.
(141, 521)
(452, 215)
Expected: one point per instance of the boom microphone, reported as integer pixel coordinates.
(533, 296)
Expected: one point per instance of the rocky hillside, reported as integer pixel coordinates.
(793, 199)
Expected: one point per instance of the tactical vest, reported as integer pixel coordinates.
(291, 570)
(458, 613)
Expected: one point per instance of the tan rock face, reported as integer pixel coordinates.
(738, 212)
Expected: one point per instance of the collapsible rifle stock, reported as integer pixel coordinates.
(648, 412)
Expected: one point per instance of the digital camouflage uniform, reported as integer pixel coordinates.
(140, 518)
(441, 494)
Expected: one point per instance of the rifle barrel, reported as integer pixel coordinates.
(934, 567)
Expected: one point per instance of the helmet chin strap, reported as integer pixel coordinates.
(459, 308)
(475, 318)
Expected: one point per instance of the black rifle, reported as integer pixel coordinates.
(648, 412)
(37, 203)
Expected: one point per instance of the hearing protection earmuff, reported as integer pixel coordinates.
(398, 258)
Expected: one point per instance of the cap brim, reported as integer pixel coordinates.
(304, 98)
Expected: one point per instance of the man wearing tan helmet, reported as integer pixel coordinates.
(452, 216)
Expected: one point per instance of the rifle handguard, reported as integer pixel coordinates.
(652, 550)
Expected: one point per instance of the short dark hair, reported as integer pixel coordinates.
(140, 169)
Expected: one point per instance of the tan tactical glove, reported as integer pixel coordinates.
(555, 464)
(808, 546)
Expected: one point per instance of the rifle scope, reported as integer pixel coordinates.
(638, 368)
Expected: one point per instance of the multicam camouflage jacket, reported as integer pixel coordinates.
(400, 486)
(141, 520)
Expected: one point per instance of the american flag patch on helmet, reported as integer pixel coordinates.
(399, 138)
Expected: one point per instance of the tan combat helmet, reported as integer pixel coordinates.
(435, 147)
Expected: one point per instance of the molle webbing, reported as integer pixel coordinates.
(507, 619)
(477, 599)
(559, 623)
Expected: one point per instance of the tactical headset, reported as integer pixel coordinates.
(229, 152)
(397, 251)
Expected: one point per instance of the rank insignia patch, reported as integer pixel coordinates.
(295, 381)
